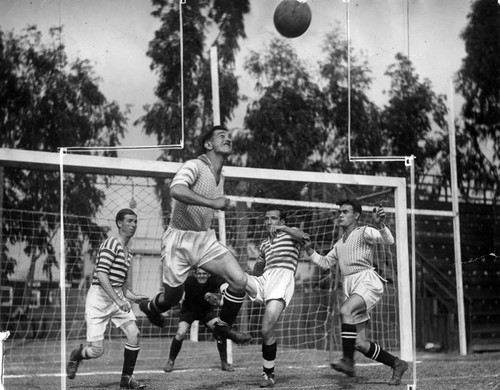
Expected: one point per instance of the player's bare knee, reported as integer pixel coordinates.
(239, 283)
(94, 351)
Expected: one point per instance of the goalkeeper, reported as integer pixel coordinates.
(273, 281)
(201, 296)
(362, 286)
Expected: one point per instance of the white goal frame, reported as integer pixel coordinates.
(136, 167)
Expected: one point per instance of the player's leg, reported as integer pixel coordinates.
(93, 350)
(227, 267)
(352, 306)
(160, 303)
(210, 319)
(174, 245)
(176, 346)
(274, 308)
(130, 353)
(375, 352)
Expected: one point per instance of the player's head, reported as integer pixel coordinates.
(126, 220)
(349, 212)
(273, 216)
(217, 139)
(201, 275)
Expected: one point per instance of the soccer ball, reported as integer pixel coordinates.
(292, 18)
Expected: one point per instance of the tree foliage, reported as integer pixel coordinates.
(413, 121)
(49, 102)
(478, 81)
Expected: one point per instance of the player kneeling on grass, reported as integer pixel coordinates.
(362, 286)
(273, 281)
(201, 295)
(108, 299)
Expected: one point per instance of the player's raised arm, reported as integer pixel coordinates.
(324, 262)
(381, 235)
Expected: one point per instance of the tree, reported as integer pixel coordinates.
(366, 135)
(414, 120)
(478, 81)
(49, 102)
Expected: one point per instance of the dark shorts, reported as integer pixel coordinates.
(204, 317)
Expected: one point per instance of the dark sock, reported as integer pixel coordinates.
(377, 353)
(231, 305)
(129, 358)
(269, 355)
(348, 335)
(175, 348)
(222, 347)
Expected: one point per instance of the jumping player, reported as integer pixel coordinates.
(362, 286)
(197, 190)
(108, 300)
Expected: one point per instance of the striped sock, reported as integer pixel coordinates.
(380, 355)
(231, 305)
(129, 358)
(348, 335)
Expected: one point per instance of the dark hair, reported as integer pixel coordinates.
(276, 208)
(356, 206)
(208, 135)
(120, 216)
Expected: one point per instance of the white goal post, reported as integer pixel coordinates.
(131, 168)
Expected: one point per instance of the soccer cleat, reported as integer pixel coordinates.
(169, 367)
(225, 366)
(345, 366)
(129, 382)
(267, 380)
(398, 369)
(74, 362)
(154, 317)
(224, 331)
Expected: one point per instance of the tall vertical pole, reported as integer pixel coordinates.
(214, 69)
(62, 270)
(456, 225)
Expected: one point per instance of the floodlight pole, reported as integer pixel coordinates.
(456, 225)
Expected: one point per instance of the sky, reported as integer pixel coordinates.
(114, 35)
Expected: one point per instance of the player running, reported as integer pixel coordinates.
(201, 295)
(273, 282)
(197, 191)
(108, 300)
(362, 286)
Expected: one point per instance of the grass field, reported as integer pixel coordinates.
(434, 371)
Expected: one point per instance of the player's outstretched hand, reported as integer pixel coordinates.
(213, 299)
(378, 216)
(124, 305)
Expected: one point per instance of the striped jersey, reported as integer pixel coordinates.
(111, 260)
(199, 176)
(282, 251)
(355, 253)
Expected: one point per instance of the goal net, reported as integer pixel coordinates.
(308, 331)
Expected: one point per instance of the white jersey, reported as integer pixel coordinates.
(355, 253)
(199, 176)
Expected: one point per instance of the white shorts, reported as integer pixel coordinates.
(181, 250)
(100, 309)
(276, 283)
(368, 285)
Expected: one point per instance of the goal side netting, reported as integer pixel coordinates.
(307, 333)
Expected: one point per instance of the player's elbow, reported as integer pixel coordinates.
(176, 191)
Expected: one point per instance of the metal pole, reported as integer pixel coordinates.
(456, 225)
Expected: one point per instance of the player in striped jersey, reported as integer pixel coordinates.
(197, 190)
(362, 286)
(108, 299)
(273, 281)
